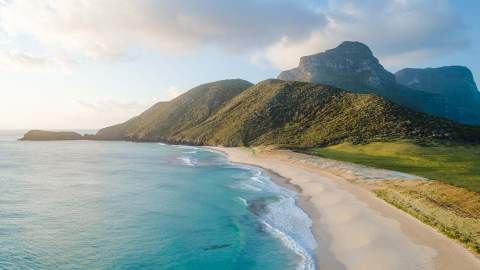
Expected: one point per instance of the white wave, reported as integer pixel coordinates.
(244, 201)
(306, 260)
(161, 143)
(191, 152)
(214, 151)
(246, 186)
(258, 177)
(284, 218)
(186, 146)
(285, 215)
(188, 161)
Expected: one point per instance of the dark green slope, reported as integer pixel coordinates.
(305, 114)
(165, 119)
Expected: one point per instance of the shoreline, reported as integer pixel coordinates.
(353, 228)
(325, 258)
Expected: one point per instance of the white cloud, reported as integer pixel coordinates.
(109, 105)
(282, 31)
(108, 29)
(22, 61)
(128, 106)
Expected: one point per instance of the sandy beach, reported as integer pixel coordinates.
(354, 229)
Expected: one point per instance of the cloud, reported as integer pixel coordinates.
(173, 92)
(279, 31)
(117, 106)
(398, 31)
(109, 29)
(22, 61)
(129, 106)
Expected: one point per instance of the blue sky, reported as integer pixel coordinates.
(91, 63)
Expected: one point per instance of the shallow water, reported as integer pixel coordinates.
(122, 205)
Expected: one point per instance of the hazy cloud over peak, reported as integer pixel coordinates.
(399, 31)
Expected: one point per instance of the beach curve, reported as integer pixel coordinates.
(358, 230)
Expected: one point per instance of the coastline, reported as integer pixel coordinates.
(354, 229)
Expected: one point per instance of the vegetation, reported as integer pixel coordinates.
(293, 114)
(165, 119)
(42, 135)
(458, 165)
(296, 114)
(453, 211)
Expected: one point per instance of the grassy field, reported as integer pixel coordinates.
(452, 210)
(455, 165)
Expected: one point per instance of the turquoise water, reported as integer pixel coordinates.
(122, 205)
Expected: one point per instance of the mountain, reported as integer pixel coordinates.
(306, 114)
(290, 113)
(455, 83)
(353, 66)
(165, 119)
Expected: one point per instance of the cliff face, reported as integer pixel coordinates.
(353, 66)
(455, 83)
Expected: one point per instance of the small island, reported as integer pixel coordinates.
(43, 135)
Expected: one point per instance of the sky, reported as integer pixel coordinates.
(87, 64)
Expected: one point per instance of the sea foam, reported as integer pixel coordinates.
(306, 260)
(188, 161)
(283, 218)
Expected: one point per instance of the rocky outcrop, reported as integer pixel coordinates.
(43, 135)
(351, 66)
(455, 83)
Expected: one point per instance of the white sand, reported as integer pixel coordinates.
(354, 229)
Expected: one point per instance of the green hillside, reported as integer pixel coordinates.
(301, 114)
(165, 119)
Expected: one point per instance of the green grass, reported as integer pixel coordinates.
(456, 165)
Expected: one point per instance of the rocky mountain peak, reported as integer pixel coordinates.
(351, 65)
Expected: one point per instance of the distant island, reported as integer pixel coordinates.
(43, 135)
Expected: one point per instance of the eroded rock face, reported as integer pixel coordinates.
(351, 65)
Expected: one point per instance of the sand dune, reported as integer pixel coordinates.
(358, 230)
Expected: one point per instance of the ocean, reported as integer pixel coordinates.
(124, 205)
